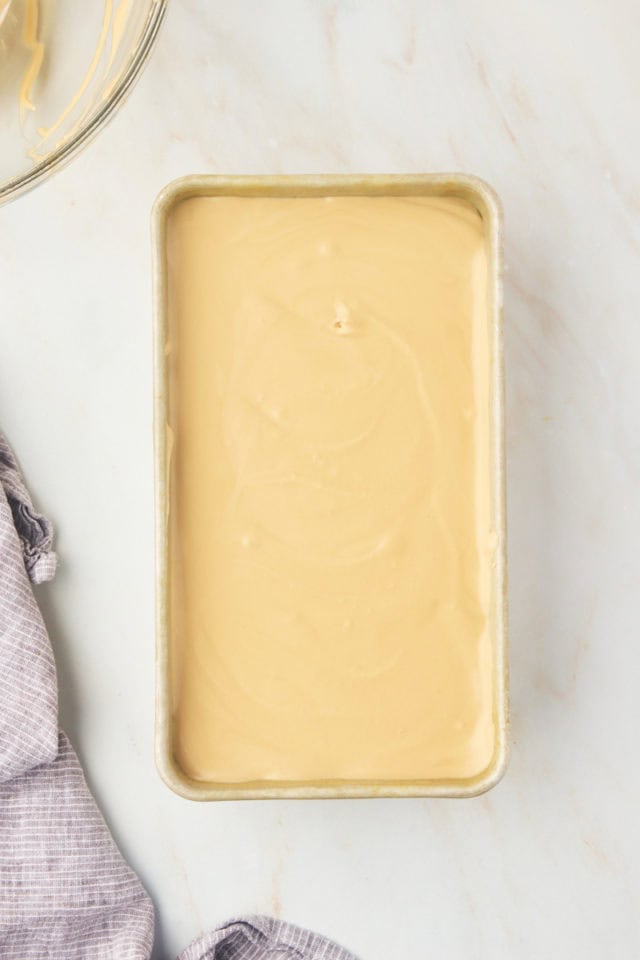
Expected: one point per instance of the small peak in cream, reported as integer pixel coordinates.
(342, 322)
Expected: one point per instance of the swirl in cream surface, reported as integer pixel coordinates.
(330, 522)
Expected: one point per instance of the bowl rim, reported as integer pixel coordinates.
(58, 158)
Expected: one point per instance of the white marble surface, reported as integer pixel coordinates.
(541, 99)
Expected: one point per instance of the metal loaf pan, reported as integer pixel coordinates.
(486, 201)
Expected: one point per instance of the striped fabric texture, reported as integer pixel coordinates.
(66, 893)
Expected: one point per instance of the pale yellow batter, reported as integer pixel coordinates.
(97, 81)
(331, 535)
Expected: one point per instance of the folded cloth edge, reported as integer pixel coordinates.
(34, 530)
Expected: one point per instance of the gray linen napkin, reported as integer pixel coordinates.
(65, 891)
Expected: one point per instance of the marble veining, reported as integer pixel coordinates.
(541, 101)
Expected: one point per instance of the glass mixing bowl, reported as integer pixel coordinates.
(65, 67)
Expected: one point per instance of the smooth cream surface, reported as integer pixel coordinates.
(330, 521)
